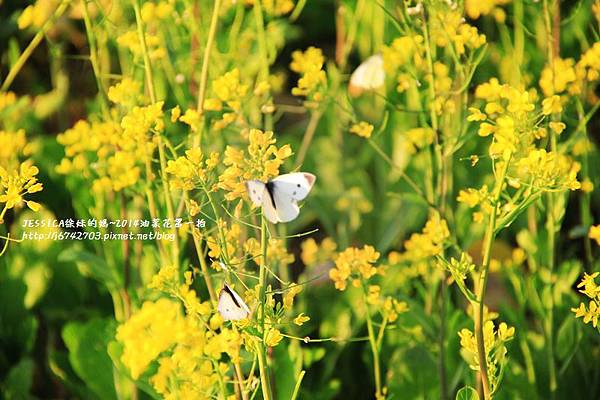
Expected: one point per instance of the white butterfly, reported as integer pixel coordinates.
(369, 75)
(279, 197)
(231, 306)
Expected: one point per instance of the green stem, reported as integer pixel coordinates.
(374, 348)
(262, 349)
(142, 38)
(311, 128)
(91, 36)
(204, 73)
(519, 44)
(483, 278)
(264, 56)
(37, 39)
(298, 383)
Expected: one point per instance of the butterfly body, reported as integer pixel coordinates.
(279, 197)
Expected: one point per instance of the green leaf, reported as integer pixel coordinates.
(17, 384)
(18, 326)
(91, 265)
(87, 343)
(567, 338)
(467, 393)
(285, 373)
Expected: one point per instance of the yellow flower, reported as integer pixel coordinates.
(191, 118)
(373, 293)
(476, 115)
(125, 92)
(362, 129)
(472, 197)
(493, 108)
(594, 233)
(122, 170)
(429, 243)
(519, 102)
(309, 64)
(489, 91)
(556, 78)
(486, 129)
(273, 337)
(557, 127)
(175, 111)
(288, 297)
(229, 89)
(587, 186)
(301, 319)
(477, 8)
(130, 40)
(551, 105)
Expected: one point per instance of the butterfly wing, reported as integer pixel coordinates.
(268, 208)
(231, 306)
(369, 74)
(256, 192)
(285, 205)
(296, 185)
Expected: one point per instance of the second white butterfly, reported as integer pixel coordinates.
(279, 197)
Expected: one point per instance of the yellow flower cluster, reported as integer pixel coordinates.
(355, 264)
(309, 64)
(130, 40)
(126, 92)
(556, 78)
(389, 306)
(495, 349)
(314, 254)
(591, 313)
(13, 145)
(587, 71)
(17, 174)
(403, 51)
(149, 332)
(7, 99)
(35, 15)
(429, 243)
(116, 151)
(354, 202)
(15, 184)
(274, 7)
(477, 197)
(362, 129)
(509, 116)
(229, 90)
(477, 8)
(448, 27)
(418, 139)
(190, 171)
(548, 171)
(156, 11)
(261, 161)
